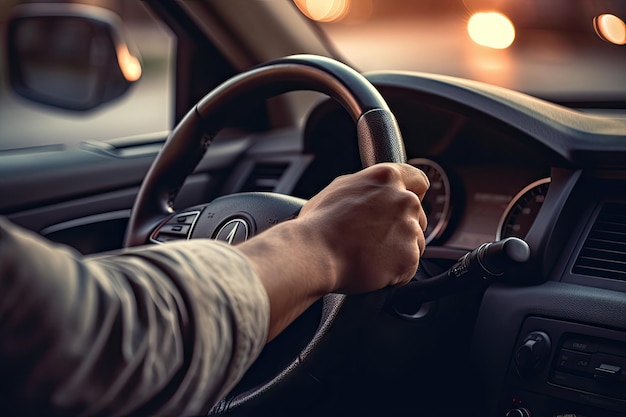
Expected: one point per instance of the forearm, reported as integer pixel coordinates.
(163, 330)
(295, 268)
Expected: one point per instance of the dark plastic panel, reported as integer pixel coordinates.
(93, 234)
(575, 386)
(504, 309)
(36, 179)
(581, 139)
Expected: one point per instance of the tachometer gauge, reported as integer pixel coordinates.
(522, 211)
(436, 203)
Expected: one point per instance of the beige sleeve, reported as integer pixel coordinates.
(161, 330)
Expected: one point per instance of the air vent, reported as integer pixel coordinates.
(604, 252)
(265, 176)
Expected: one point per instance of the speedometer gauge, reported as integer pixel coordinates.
(436, 202)
(522, 211)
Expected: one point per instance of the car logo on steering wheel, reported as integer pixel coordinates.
(233, 232)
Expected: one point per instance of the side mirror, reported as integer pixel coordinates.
(69, 56)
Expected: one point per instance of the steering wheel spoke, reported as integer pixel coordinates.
(177, 226)
(232, 219)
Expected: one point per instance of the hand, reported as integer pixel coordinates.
(372, 225)
(363, 232)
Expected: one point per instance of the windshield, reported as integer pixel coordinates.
(563, 50)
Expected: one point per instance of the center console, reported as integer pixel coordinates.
(561, 368)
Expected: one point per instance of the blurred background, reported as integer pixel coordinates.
(146, 108)
(568, 51)
(557, 49)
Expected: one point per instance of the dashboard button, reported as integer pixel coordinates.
(581, 345)
(532, 355)
(574, 381)
(573, 361)
(518, 412)
(606, 372)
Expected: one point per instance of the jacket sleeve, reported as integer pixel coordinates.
(161, 330)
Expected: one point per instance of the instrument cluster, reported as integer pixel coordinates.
(465, 216)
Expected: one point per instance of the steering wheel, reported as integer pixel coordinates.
(237, 217)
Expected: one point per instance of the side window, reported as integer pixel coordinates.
(146, 108)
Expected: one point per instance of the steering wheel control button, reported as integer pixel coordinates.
(177, 227)
(233, 231)
(532, 355)
(187, 218)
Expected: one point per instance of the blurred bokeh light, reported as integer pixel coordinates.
(610, 28)
(491, 29)
(129, 64)
(324, 10)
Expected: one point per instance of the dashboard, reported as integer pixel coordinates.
(504, 165)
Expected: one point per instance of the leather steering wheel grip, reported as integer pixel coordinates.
(378, 133)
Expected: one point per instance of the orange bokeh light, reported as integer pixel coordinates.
(491, 29)
(610, 28)
(324, 10)
(129, 64)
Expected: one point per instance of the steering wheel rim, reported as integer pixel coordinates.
(378, 135)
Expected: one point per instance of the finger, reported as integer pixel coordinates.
(423, 220)
(414, 179)
(404, 277)
(421, 243)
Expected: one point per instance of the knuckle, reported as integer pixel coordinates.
(385, 173)
(412, 261)
(410, 202)
(417, 231)
(414, 256)
(425, 178)
(417, 228)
